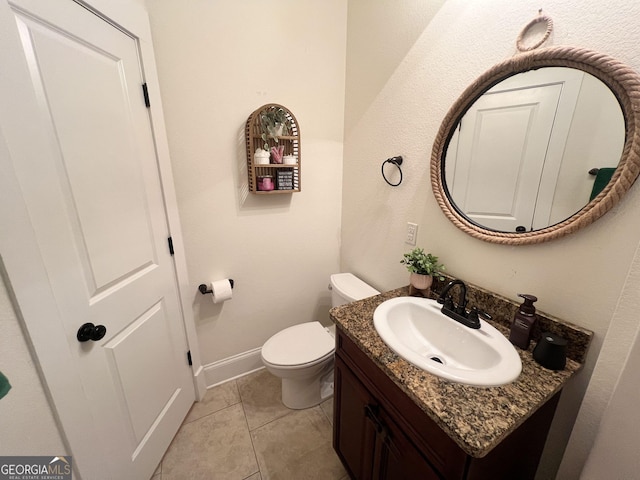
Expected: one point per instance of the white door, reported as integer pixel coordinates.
(96, 208)
(509, 148)
(501, 151)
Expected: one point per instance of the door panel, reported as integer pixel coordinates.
(144, 382)
(82, 81)
(497, 176)
(97, 210)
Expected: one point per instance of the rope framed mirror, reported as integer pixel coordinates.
(623, 83)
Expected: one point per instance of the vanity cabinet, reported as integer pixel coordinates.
(369, 442)
(281, 177)
(381, 433)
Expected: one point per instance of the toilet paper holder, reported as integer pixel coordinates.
(204, 289)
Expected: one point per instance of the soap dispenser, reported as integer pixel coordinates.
(523, 322)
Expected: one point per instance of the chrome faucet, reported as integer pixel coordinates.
(459, 312)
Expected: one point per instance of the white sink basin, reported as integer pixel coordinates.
(419, 332)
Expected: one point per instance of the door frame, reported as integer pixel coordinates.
(24, 270)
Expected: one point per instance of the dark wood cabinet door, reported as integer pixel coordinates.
(399, 459)
(354, 433)
(369, 443)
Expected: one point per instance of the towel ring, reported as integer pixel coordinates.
(397, 161)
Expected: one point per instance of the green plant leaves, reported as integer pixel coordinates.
(422, 263)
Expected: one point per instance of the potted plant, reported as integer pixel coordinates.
(422, 267)
(274, 123)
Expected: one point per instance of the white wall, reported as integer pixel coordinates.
(614, 453)
(27, 422)
(218, 62)
(578, 278)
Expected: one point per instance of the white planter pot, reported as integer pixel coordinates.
(421, 282)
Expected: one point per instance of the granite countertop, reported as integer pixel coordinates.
(476, 418)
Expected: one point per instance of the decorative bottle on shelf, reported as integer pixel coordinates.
(523, 322)
(277, 153)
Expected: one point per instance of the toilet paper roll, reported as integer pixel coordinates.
(221, 290)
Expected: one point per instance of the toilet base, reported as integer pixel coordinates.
(301, 393)
(326, 386)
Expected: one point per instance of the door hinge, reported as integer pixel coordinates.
(145, 92)
(170, 242)
(189, 358)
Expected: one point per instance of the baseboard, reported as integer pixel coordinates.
(232, 367)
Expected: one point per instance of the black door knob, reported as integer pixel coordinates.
(89, 331)
(521, 229)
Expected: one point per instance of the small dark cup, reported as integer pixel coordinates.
(551, 351)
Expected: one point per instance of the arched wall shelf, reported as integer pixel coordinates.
(280, 177)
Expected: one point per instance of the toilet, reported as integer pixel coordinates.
(302, 355)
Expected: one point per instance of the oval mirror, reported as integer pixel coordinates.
(539, 146)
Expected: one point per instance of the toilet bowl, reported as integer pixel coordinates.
(302, 355)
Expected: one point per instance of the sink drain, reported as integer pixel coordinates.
(436, 359)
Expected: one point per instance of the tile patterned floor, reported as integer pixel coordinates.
(242, 431)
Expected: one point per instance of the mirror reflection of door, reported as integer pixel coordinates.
(517, 159)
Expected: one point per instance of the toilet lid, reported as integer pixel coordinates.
(303, 343)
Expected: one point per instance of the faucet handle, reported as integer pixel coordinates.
(446, 301)
(472, 318)
(475, 312)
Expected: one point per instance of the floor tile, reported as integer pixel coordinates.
(296, 446)
(261, 395)
(255, 476)
(216, 398)
(217, 446)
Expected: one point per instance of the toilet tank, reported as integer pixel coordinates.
(347, 288)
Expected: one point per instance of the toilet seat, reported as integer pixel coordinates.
(302, 344)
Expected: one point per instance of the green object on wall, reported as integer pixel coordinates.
(5, 386)
(602, 178)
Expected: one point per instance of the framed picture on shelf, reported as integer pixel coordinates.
(284, 179)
